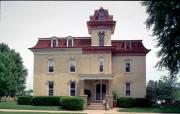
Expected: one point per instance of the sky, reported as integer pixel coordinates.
(23, 22)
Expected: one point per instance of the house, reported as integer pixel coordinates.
(91, 67)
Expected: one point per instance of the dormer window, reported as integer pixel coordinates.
(127, 45)
(54, 42)
(69, 41)
(101, 16)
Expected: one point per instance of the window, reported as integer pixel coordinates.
(72, 65)
(128, 45)
(101, 38)
(127, 66)
(72, 89)
(51, 65)
(50, 88)
(128, 89)
(54, 42)
(69, 41)
(101, 65)
(101, 16)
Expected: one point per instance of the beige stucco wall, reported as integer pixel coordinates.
(86, 64)
(95, 37)
(137, 77)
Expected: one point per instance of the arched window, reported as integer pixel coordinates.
(69, 41)
(101, 64)
(101, 35)
(101, 16)
(54, 42)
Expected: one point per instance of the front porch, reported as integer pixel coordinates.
(95, 89)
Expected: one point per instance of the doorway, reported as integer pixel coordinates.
(100, 92)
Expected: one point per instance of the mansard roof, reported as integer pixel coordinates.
(101, 19)
(118, 46)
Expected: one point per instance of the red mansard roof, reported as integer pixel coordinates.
(118, 46)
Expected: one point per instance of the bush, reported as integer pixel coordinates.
(126, 102)
(72, 103)
(142, 102)
(24, 100)
(46, 101)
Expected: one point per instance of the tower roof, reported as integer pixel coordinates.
(101, 19)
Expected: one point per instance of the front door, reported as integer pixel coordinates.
(100, 91)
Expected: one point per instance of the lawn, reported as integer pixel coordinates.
(162, 109)
(35, 113)
(14, 105)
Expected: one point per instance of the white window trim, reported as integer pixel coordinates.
(72, 60)
(54, 38)
(49, 65)
(101, 59)
(70, 87)
(67, 41)
(128, 89)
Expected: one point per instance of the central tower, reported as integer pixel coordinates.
(101, 26)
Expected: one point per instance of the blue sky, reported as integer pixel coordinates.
(23, 22)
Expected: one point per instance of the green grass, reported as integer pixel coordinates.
(35, 113)
(162, 109)
(14, 105)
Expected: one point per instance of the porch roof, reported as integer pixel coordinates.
(95, 76)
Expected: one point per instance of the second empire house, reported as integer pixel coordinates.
(96, 65)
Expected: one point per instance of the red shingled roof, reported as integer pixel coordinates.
(118, 46)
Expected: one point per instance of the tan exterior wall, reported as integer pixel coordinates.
(95, 37)
(137, 77)
(85, 64)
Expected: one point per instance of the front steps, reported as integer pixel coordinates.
(95, 106)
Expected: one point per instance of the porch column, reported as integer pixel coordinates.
(82, 93)
(110, 87)
(81, 87)
(109, 96)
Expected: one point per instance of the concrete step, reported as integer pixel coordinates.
(95, 106)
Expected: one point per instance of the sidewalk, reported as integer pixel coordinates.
(113, 111)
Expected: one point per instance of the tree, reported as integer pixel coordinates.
(162, 89)
(164, 19)
(12, 72)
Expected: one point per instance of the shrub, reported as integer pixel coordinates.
(46, 101)
(72, 103)
(142, 102)
(126, 102)
(24, 100)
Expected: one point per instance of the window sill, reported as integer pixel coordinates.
(72, 72)
(50, 73)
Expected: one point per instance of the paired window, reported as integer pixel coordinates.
(69, 41)
(128, 89)
(101, 64)
(72, 88)
(51, 64)
(101, 35)
(50, 88)
(127, 66)
(72, 65)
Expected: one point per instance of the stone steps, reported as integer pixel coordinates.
(95, 106)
